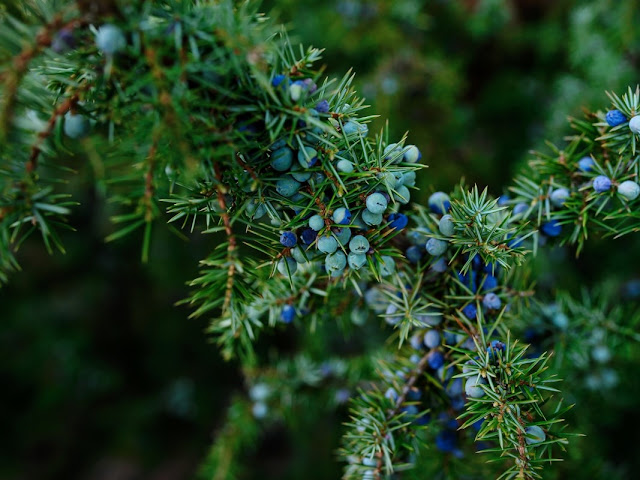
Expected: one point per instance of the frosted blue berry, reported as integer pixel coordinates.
(259, 392)
(412, 154)
(255, 210)
(357, 260)
(559, 196)
(439, 203)
(409, 179)
(601, 183)
(322, 106)
(287, 266)
(601, 353)
(634, 124)
(534, 435)
(586, 164)
(520, 208)
(76, 126)
(503, 200)
(629, 189)
(371, 218)
(287, 314)
(327, 244)
(436, 247)
(298, 174)
(316, 222)
(387, 266)
(391, 394)
(308, 236)
(414, 254)
(432, 339)
(376, 203)
(402, 195)
(492, 301)
(295, 90)
(472, 387)
(398, 221)
(393, 152)
(446, 225)
(435, 360)
(342, 235)
(359, 244)
(551, 228)
(341, 216)
(439, 266)
(110, 39)
(259, 410)
(344, 166)
(615, 117)
(307, 157)
(298, 255)
(494, 347)
(470, 311)
(352, 127)
(287, 187)
(335, 262)
(288, 239)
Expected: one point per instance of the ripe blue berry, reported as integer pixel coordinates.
(472, 387)
(634, 124)
(398, 221)
(308, 236)
(371, 218)
(439, 203)
(307, 157)
(414, 254)
(359, 244)
(520, 208)
(376, 203)
(277, 80)
(432, 339)
(446, 441)
(322, 106)
(110, 39)
(436, 247)
(491, 301)
(387, 266)
(357, 260)
(335, 262)
(534, 435)
(470, 311)
(287, 266)
(490, 282)
(287, 187)
(586, 164)
(551, 228)
(344, 166)
(559, 196)
(327, 244)
(446, 225)
(288, 239)
(435, 360)
(287, 314)
(601, 183)
(76, 126)
(341, 216)
(316, 222)
(629, 189)
(615, 117)
(412, 154)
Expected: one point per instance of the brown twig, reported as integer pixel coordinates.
(230, 236)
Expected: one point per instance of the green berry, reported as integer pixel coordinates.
(359, 244)
(376, 203)
(327, 244)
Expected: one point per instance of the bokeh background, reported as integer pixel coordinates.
(103, 377)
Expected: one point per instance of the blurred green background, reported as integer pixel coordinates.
(104, 378)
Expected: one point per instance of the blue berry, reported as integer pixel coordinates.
(110, 39)
(393, 152)
(439, 203)
(308, 236)
(298, 174)
(298, 255)
(559, 196)
(398, 221)
(534, 435)
(634, 124)
(503, 200)
(495, 346)
(551, 228)
(277, 80)
(629, 189)
(344, 166)
(259, 410)
(335, 262)
(307, 157)
(387, 266)
(435, 360)
(490, 282)
(470, 311)
(76, 126)
(288, 239)
(436, 247)
(391, 394)
(402, 195)
(287, 314)
(615, 117)
(341, 216)
(359, 244)
(371, 218)
(287, 187)
(469, 280)
(352, 127)
(342, 235)
(316, 222)
(409, 179)
(446, 225)
(287, 266)
(376, 203)
(586, 164)
(439, 266)
(601, 183)
(446, 441)
(432, 339)
(327, 244)
(412, 154)
(414, 254)
(492, 301)
(63, 41)
(357, 260)
(472, 387)
(322, 106)
(520, 208)
(296, 89)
